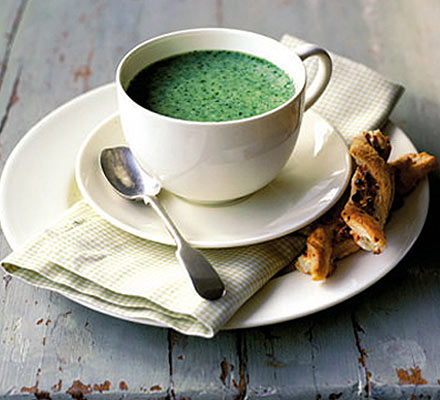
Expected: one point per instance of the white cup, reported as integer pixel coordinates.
(217, 161)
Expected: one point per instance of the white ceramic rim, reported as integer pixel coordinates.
(299, 89)
(82, 175)
(245, 317)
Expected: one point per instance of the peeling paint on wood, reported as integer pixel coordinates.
(7, 280)
(411, 377)
(243, 377)
(224, 371)
(33, 389)
(357, 330)
(83, 72)
(13, 98)
(11, 35)
(79, 389)
(379, 345)
(58, 386)
(102, 386)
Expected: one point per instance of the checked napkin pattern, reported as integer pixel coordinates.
(89, 260)
(92, 261)
(356, 98)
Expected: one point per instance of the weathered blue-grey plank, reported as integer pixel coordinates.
(82, 349)
(378, 344)
(323, 22)
(49, 344)
(10, 22)
(298, 359)
(207, 369)
(400, 322)
(57, 346)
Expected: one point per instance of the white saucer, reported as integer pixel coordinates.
(312, 181)
(37, 187)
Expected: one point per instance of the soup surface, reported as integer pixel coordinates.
(211, 85)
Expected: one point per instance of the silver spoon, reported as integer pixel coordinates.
(122, 171)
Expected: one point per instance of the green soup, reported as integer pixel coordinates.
(211, 85)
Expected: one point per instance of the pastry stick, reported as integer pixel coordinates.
(410, 169)
(372, 191)
(331, 240)
(326, 244)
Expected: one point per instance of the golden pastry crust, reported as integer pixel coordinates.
(317, 260)
(410, 169)
(332, 240)
(327, 243)
(372, 191)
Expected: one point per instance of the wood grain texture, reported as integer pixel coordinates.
(381, 344)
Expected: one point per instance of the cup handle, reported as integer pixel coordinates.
(322, 78)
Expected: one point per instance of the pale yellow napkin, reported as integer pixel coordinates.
(89, 260)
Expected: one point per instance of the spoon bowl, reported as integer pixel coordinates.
(123, 172)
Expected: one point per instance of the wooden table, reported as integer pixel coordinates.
(383, 343)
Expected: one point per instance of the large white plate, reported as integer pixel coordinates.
(310, 183)
(36, 187)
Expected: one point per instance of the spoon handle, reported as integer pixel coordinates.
(205, 279)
